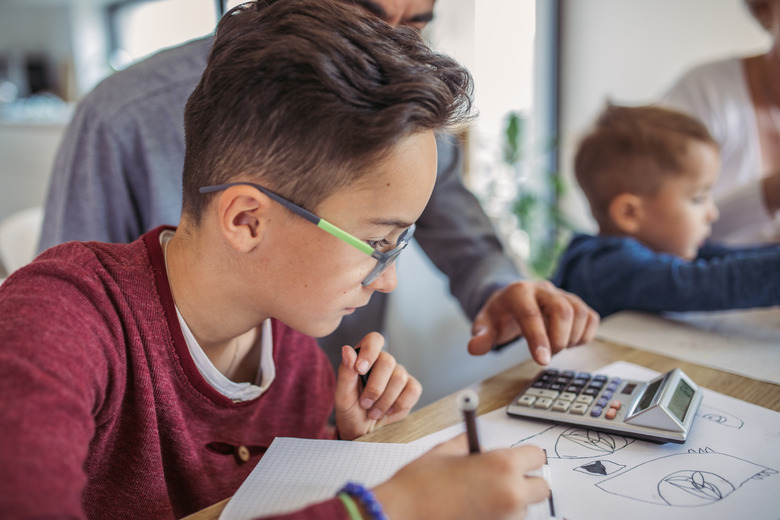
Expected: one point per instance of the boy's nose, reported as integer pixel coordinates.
(387, 281)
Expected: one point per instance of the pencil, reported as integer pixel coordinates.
(468, 400)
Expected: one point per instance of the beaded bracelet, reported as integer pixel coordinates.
(367, 498)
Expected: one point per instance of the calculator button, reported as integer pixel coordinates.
(526, 400)
(591, 391)
(540, 383)
(543, 402)
(560, 405)
(615, 404)
(584, 399)
(611, 414)
(606, 394)
(557, 386)
(600, 377)
(582, 375)
(595, 411)
(580, 382)
(542, 392)
(578, 408)
(596, 384)
(601, 403)
(575, 389)
(568, 396)
(568, 373)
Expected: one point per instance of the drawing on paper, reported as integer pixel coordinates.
(600, 468)
(693, 479)
(720, 417)
(578, 443)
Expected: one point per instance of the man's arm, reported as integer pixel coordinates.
(460, 240)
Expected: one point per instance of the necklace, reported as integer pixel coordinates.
(235, 341)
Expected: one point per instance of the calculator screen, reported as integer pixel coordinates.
(681, 399)
(648, 396)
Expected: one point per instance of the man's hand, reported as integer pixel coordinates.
(549, 318)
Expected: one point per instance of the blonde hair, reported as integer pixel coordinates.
(632, 150)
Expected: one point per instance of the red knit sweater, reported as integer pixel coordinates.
(104, 414)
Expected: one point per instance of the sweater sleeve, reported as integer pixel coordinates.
(624, 275)
(332, 509)
(52, 381)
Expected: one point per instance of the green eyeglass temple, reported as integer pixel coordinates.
(384, 259)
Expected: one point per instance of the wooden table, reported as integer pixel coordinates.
(500, 389)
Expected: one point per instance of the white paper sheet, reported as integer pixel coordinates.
(727, 469)
(741, 342)
(295, 473)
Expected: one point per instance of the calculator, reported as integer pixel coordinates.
(660, 410)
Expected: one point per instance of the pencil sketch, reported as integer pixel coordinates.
(600, 468)
(693, 479)
(578, 443)
(720, 417)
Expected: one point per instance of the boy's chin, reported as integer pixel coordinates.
(322, 329)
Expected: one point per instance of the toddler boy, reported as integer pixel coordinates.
(648, 174)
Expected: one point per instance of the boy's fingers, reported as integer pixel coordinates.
(368, 351)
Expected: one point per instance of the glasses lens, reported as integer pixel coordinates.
(384, 264)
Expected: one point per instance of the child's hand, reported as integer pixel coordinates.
(389, 394)
(448, 483)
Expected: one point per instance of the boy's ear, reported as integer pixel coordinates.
(626, 212)
(241, 211)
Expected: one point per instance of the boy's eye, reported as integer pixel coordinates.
(381, 245)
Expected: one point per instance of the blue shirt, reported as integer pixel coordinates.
(612, 274)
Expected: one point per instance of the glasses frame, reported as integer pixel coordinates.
(385, 259)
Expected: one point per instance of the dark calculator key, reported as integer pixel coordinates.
(596, 384)
(600, 377)
(558, 387)
(539, 383)
(591, 391)
(583, 375)
(568, 373)
(574, 389)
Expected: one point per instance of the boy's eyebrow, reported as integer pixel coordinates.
(390, 222)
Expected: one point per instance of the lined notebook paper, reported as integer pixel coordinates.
(295, 473)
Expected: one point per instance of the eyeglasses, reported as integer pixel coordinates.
(384, 259)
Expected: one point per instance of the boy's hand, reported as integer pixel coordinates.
(448, 483)
(549, 318)
(389, 394)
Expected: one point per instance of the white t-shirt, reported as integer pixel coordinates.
(717, 93)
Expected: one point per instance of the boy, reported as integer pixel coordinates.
(648, 174)
(145, 380)
(126, 143)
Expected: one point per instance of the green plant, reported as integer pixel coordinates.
(536, 204)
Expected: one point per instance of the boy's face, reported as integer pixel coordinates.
(679, 218)
(314, 278)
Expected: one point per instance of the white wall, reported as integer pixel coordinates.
(630, 51)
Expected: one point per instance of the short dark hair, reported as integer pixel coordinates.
(632, 150)
(304, 96)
